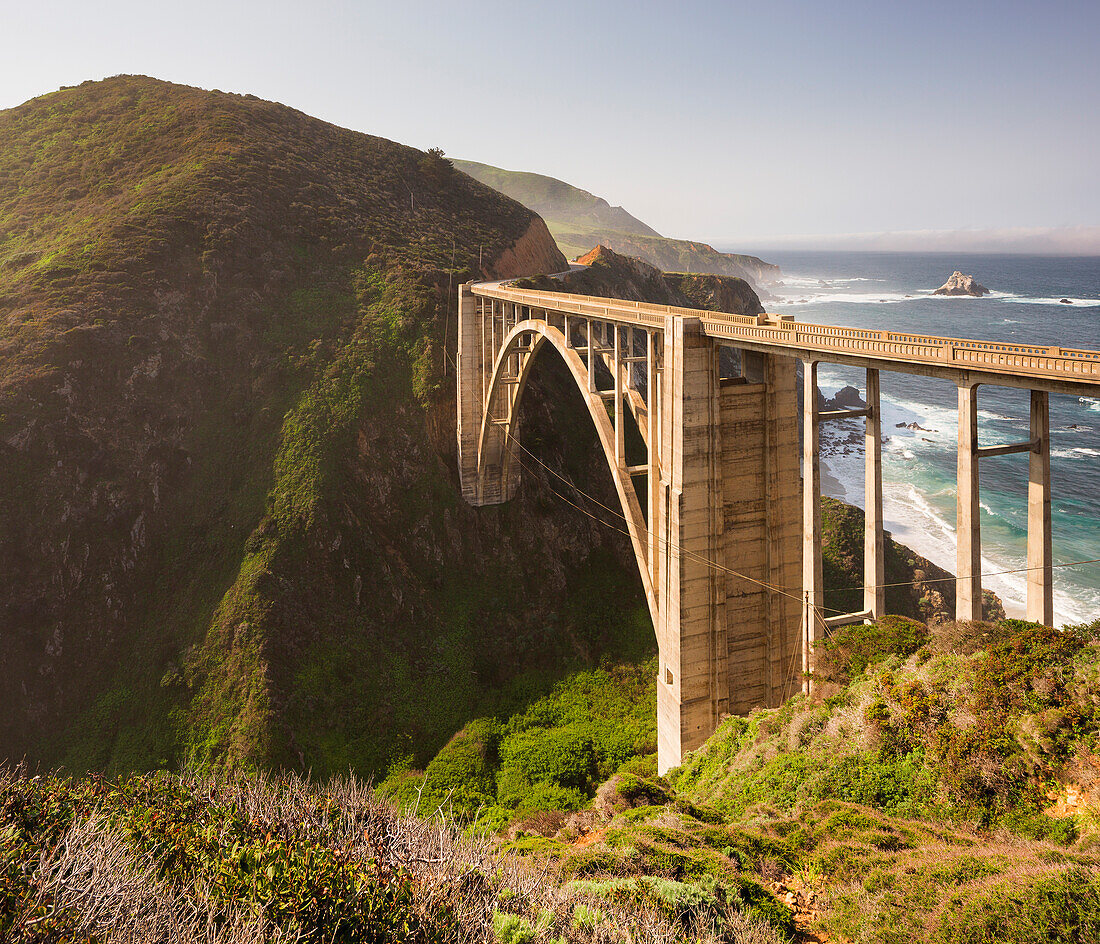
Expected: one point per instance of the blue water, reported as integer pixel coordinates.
(893, 291)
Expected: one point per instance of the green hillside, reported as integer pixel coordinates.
(565, 208)
(579, 221)
(230, 524)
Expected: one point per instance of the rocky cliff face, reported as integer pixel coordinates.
(229, 516)
(608, 273)
(579, 220)
(681, 255)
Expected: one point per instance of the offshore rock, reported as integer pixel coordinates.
(960, 284)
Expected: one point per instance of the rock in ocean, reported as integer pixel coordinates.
(960, 284)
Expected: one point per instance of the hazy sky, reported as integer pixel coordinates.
(728, 121)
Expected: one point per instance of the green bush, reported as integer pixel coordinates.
(1050, 910)
(464, 771)
(565, 757)
(511, 928)
(851, 649)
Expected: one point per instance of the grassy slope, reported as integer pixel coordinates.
(223, 360)
(579, 221)
(563, 206)
(912, 799)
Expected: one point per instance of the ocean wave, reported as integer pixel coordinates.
(1077, 452)
(1076, 302)
(850, 298)
(810, 281)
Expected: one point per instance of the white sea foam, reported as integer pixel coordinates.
(1076, 302)
(852, 298)
(1077, 452)
(809, 281)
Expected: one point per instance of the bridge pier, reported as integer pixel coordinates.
(874, 534)
(813, 592)
(1040, 556)
(968, 586)
(688, 627)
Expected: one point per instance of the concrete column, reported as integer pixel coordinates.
(1040, 558)
(470, 401)
(968, 587)
(493, 332)
(874, 539)
(653, 481)
(690, 521)
(591, 358)
(812, 568)
(783, 528)
(620, 425)
(483, 326)
(631, 353)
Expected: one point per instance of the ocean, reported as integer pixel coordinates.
(894, 291)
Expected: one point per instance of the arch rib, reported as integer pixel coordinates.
(544, 333)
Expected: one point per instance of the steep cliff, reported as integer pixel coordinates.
(229, 520)
(608, 273)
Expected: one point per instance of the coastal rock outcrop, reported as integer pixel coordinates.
(960, 284)
(847, 398)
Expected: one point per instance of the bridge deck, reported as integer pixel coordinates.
(1054, 368)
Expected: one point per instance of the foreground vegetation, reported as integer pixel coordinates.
(167, 858)
(941, 785)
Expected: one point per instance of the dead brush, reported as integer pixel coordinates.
(93, 886)
(108, 878)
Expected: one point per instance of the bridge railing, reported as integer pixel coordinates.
(1055, 361)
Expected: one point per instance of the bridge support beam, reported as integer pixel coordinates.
(690, 504)
(653, 475)
(471, 388)
(813, 586)
(1040, 558)
(968, 588)
(874, 537)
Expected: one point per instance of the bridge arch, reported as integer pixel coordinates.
(497, 440)
(720, 530)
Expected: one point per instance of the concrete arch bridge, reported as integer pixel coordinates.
(725, 530)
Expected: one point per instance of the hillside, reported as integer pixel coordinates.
(940, 786)
(230, 524)
(579, 221)
(608, 273)
(560, 204)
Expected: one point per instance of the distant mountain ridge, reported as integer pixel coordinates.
(579, 220)
(558, 203)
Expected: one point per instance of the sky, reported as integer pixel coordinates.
(755, 124)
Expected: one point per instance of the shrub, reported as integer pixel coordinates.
(511, 928)
(464, 770)
(565, 757)
(1055, 908)
(851, 649)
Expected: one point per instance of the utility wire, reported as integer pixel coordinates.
(618, 514)
(784, 591)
